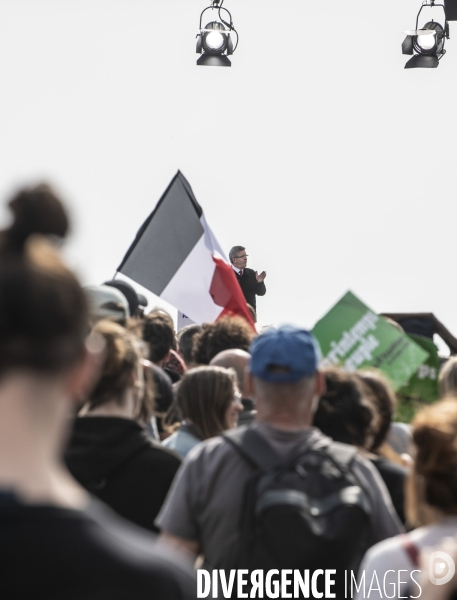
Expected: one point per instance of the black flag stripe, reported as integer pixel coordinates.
(165, 239)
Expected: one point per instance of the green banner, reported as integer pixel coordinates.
(354, 337)
(423, 385)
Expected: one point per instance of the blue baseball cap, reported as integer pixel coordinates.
(284, 355)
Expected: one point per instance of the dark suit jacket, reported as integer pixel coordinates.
(250, 286)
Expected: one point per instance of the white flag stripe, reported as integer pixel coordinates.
(183, 321)
(189, 288)
(211, 242)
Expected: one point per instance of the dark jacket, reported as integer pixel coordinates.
(114, 459)
(250, 286)
(163, 393)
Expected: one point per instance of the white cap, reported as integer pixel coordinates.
(106, 302)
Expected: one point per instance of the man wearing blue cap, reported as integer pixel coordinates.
(209, 496)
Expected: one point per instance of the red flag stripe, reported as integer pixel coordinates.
(226, 292)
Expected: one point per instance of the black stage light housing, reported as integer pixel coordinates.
(407, 47)
(212, 60)
(214, 42)
(427, 44)
(422, 61)
(450, 10)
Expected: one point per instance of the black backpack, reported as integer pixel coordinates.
(305, 512)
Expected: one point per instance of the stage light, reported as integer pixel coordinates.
(214, 42)
(427, 43)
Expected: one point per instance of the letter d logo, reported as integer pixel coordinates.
(437, 568)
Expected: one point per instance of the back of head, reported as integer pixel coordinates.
(383, 398)
(434, 482)
(238, 360)
(122, 356)
(344, 413)
(284, 363)
(158, 332)
(130, 294)
(226, 333)
(186, 342)
(448, 378)
(204, 396)
(36, 211)
(164, 314)
(43, 310)
(106, 302)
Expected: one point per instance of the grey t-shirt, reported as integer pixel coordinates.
(207, 496)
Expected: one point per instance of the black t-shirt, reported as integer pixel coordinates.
(163, 393)
(394, 477)
(164, 390)
(52, 553)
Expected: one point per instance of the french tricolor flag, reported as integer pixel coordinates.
(176, 256)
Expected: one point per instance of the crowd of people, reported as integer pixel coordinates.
(131, 453)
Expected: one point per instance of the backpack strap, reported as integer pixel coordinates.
(253, 447)
(411, 550)
(341, 454)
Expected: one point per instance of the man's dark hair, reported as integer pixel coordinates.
(344, 413)
(383, 398)
(225, 334)
(234, 251)
(186, 342)
(158, 332)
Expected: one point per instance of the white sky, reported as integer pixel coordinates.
(334, 166)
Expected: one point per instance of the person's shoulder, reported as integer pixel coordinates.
(181, 442)
(133, 548)
(364, 467)
(159, 453)
(160, 375)
(374, 475)
(209, 448)
(212, 454)
(389, 549)
(94, 552)
(364, 463)
(384, 465)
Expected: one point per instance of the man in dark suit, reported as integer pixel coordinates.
(251, 283)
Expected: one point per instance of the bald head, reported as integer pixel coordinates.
(237, 360)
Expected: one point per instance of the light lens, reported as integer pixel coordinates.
(215, 41)
(426, 42)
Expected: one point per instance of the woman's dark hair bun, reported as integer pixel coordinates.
(36, 210)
